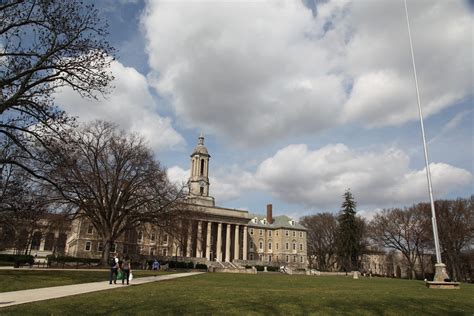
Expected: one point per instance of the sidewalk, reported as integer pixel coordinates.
(34, 295)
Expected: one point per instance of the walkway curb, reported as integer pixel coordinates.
(47, 293)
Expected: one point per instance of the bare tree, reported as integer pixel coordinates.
(322, 239)
(456, 231)
(112, 179)
(22, 206)
(46, 45)
(403, 230)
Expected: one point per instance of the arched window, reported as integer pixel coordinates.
(202, 167)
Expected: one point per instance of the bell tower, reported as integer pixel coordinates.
(199, 179)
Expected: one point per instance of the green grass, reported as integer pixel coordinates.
(14, 280)
(271, 294)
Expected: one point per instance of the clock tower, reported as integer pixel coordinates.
(199, 180)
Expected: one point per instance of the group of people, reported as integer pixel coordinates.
(122, 266)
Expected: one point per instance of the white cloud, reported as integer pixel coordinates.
(225, 184)
(379, 62)
(130, 105)
(258, 71)
(244, 69)
(318, 178)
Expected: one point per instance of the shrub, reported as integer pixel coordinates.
(201, 266)
(190, 265)
(18, 259)
(67, 259)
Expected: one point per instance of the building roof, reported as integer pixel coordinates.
(200, 148)
(281, 221)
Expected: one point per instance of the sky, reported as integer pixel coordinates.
(298, 100)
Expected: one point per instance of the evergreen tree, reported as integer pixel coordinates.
(349, 234)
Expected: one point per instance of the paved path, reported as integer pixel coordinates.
(34, 295)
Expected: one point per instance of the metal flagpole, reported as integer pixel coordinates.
(428, 175)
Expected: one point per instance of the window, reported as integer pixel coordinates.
(287, 259)
(294, 234)
(251, 256)
(287, 246)
(90, 229)
(140, 236)
(301, 247)
(165, 239)
(202, 167)
(251, 231)
(152, 251)
(301, 259)
(287, 233)
(88, 246)
(261, 232)
(277, 233)
(100, 247)
(294, 246)
(260, 244)
(269, 258)
(294, 258)
(201, 190)
(164, 252)
(269, 233)
(153, 237)
(269, 246)
(301, 234)
(251, 246)
(113, 247)
(276, 246)
(264, 221)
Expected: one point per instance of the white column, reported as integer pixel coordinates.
(219, 242)
(244, 244)
(42, 242)
(199, 241)
(227, 243)
(236, 243)
(188, 245)
(208, 241)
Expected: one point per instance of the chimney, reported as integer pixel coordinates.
(269, 214)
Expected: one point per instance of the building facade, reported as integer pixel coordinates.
(208, 234)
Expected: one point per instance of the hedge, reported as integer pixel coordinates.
(65, 259)
(19, 259)
(201, 266)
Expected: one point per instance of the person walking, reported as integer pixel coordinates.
(126, 268)
(114, 266)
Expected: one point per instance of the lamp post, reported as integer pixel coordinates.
(440, 268)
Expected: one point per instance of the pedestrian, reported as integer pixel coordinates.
(114, 266)
(156, 265)
(126, 268)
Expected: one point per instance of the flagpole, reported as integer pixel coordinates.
(428, 174)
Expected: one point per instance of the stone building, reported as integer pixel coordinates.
(208, 234)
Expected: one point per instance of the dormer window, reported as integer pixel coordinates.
(264, 221)
(255, 220)
(292, 223)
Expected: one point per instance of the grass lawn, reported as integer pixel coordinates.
(263, 294)
(14, 280)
